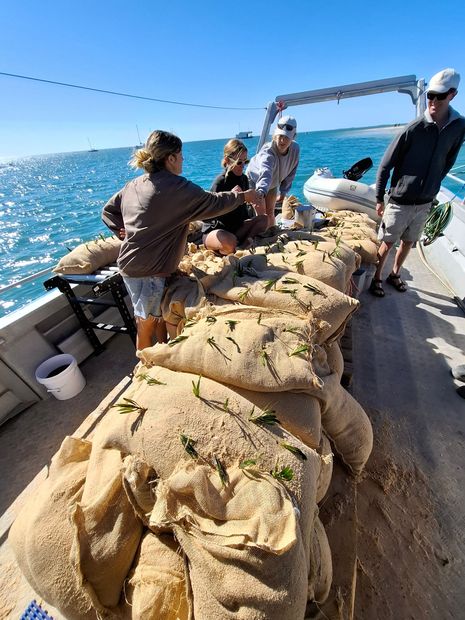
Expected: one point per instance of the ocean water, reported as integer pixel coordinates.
(52, 203)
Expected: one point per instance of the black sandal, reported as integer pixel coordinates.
(376, 288)
(395, 280)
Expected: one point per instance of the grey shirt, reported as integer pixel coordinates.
(155, 211)
(268, 169)
(420, 156)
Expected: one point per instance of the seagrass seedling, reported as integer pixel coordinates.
(150, 380)
(129, 406)
(295, 450)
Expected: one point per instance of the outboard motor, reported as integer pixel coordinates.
(356, 172)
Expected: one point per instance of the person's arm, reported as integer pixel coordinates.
(265, 164)
(112, 216)
(286, 183)
(293, 162)
(452, 156)
(390, 158)
(202, 205)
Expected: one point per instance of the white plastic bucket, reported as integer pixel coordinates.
(64, 384)
(304, 216)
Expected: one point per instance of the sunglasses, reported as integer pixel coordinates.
(438, 96)
(286, 126)
(240, 162)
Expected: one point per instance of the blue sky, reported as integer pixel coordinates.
(216, 53)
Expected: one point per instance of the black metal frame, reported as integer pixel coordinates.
(113, 284)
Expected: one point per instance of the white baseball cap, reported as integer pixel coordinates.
(286, 126)
(444, 80)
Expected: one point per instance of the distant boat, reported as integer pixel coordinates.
(140, 144)
(243, 135)
(91, 148)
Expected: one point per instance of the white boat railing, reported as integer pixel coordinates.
(30, 278)
(405, 84)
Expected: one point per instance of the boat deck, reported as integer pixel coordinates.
(410, 502)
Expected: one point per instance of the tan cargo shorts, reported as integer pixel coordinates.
(405, 222)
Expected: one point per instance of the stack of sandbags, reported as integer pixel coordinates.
(357, 230)
(199, 493)
(251, 281)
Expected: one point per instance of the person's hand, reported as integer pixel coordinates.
(122, 233)
(257, 200)
(237, 189)
(380, 208)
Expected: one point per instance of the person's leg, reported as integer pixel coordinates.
(251, 228)
(145, 332)
(383, 253)
(401, 254)
(146, 295)
(270, 203)
(220, 241)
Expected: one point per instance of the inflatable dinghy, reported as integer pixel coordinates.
(329, 193)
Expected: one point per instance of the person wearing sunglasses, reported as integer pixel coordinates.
(419, 158)
(152, 213)
(238, 227)
(273, 168)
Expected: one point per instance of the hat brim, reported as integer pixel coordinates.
(284, 132)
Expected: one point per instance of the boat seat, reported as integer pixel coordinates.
(100, 282)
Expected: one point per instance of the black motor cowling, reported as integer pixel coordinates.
(356, 172)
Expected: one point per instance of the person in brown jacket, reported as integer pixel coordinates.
(151, 214)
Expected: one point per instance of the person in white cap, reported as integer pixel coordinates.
(273, 168)
(420, 157)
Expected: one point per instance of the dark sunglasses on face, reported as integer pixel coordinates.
(286, 126)
(240, 162)
(438, 96)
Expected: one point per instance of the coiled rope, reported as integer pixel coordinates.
(437, 220)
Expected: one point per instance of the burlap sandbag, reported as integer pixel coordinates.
(107, 530)
(181, 292)
(321, 569)
(284, 290)
(257, 351)
(328, 263)
(342, 417)
(326, 470)
(334, 358)
(88, 257)
(218, 424)
(218, 420)
(349, 217)
(42, 534)
(299, 413)
(229, 584)
(157, 588)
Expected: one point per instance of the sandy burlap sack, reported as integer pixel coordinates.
(298, 413)
(284, 290)
(342, 417)
(107, 530)
(229, 584)
(42, 534)
(210, 497)
(88, 257)
(321, 570)
(327, 262)
(157, 587)
(326, 470)
(350, 217)
(181, 291)
(250, 348)
(334, 358)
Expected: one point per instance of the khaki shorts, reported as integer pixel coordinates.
(405, 222)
